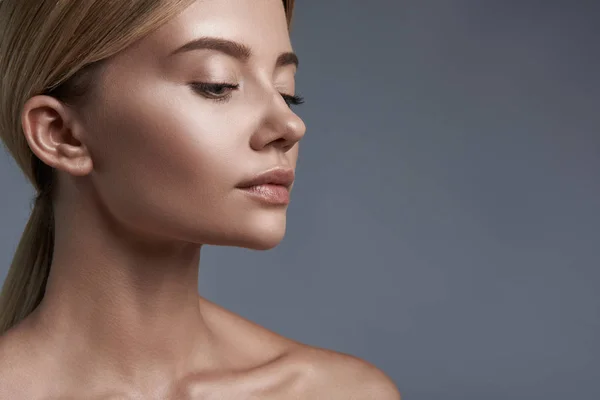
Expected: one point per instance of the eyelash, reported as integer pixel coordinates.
(206, 90)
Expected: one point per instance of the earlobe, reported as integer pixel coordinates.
(51, 132)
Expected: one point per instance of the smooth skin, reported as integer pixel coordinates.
(147, 174)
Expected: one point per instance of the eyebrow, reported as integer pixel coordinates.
(234, 49)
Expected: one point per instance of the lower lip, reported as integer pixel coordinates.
(268, 193)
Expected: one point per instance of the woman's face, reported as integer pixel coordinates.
(169, 148)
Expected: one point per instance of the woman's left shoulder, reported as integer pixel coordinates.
(339, 375)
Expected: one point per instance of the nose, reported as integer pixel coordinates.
(281, 126)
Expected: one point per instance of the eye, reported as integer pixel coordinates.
(222, 92)
(215, 91)
(295, 100)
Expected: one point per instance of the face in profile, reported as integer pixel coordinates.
(174, 134)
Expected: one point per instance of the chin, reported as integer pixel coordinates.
(262, 243)
(263, 236)
(253, 241)
(262, 232)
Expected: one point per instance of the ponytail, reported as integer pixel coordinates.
(25, 283)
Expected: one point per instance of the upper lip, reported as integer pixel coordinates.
(275, 176)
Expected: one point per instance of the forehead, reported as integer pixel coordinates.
(260, 24)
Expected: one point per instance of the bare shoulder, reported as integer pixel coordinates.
(316, 372)
(15, 377)
(342, 376)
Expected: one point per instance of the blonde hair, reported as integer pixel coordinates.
(55, 48)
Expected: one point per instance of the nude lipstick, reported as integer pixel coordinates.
(271, 187)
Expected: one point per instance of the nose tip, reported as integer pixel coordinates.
(298, 126)
(282, 128)
(294, 128)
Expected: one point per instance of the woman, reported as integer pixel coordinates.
(150, 128)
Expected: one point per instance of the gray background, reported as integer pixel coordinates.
(444, 224)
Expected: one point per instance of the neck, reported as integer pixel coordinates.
(122, 304)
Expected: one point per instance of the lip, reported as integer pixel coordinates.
(271, 187)
(276, 176)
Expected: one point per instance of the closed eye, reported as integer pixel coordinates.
(222, 92)
(295, 100)
(219, 92)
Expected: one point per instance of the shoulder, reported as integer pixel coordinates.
(342, 376)
(14, 374)
(309, 372)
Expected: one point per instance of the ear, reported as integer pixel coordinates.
(54, 135)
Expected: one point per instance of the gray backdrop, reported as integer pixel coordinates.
(444, 224)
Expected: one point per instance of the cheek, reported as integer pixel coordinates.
(162, 159)
(295, 151)
(292, 155)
